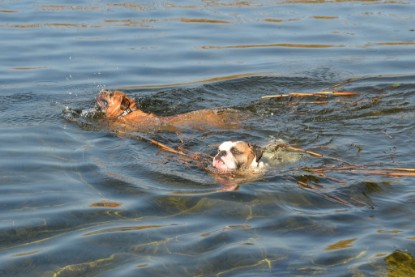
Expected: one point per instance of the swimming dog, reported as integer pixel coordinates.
(123, 114)
(241, 156)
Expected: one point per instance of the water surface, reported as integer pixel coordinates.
(77, 199)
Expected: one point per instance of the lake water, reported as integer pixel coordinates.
(77, 200)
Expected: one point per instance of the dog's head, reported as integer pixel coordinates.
(237, 155)
(114, 103)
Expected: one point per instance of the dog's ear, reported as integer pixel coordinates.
(125, 103)
(257, 150)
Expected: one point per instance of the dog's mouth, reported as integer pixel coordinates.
(221, 166)
(102, 103)
(102, 100)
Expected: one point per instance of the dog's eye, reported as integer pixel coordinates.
(235, 151)
(111, 94)
(221, 153)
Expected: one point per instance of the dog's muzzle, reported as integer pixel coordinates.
(220, 155)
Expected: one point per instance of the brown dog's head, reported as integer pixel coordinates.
(114, 103)
(237, 155)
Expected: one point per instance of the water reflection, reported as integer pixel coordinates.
(293, 45)
(77, 199)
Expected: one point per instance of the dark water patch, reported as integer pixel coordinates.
(9, 102)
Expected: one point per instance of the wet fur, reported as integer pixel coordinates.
(241, 156)
(114, 104)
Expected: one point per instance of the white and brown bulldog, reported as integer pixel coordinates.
(241, 156)
(237, 155)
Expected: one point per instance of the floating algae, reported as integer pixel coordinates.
(400, 264)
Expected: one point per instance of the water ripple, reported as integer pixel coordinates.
(79, 200)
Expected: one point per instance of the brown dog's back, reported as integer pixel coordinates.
(202, 119)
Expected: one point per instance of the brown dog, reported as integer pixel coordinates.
(123, 114)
